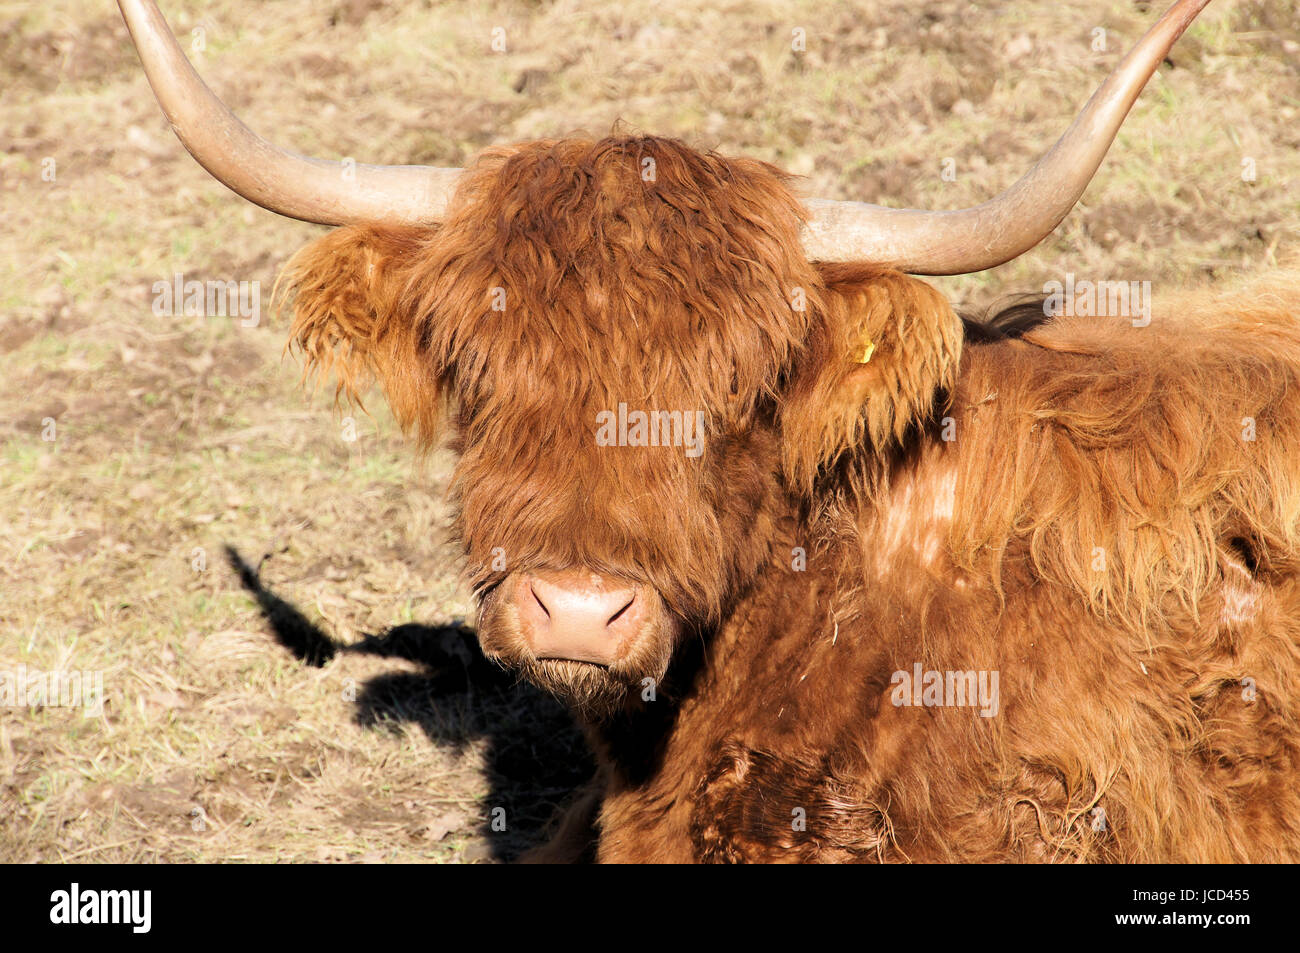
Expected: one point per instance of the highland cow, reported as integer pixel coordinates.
(932, 590)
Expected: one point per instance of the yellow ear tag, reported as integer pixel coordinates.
(868, 348)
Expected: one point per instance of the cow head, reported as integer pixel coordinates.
(625, 340)
(639, 350)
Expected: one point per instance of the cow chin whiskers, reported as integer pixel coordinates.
(592, 692)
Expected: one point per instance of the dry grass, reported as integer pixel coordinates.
(175, 438)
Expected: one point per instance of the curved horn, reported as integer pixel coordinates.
(972, 239)
(312, 190)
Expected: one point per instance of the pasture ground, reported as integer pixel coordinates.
(321, 704)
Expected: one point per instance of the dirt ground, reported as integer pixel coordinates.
(264, 589)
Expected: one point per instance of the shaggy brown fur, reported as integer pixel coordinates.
(1108, 517)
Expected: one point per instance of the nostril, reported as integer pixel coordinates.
(627, 605)
(539, 601)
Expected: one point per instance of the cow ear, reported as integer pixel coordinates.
(882, 351)
(354, 318)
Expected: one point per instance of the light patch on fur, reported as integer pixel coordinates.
(913, 522)
(1240, 595)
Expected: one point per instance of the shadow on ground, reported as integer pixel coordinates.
(536, 755)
